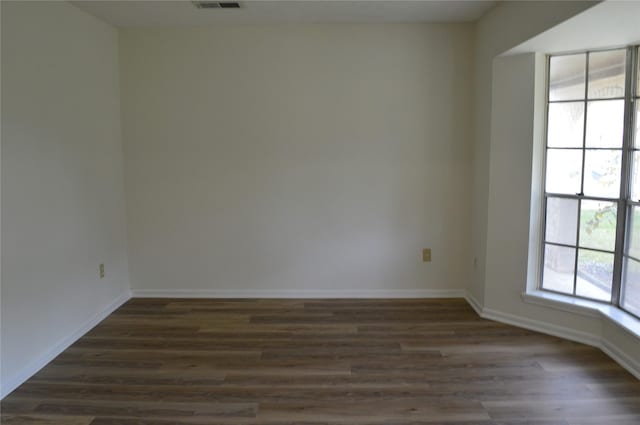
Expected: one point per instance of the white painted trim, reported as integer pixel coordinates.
(629, 363)
(558, 302)
(544, 327)
(607, 312)
(623, 359)
(473, 301)
(33, 367)
(297, 293)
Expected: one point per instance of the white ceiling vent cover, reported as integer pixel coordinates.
(217, 4)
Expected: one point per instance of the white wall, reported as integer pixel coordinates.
(298, 160)
(308, 160)
(506, 125)
(505, 26)
(512, 147)
(514, 198)
(62, 190)
(517, 90)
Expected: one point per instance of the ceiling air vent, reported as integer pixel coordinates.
(217, 4)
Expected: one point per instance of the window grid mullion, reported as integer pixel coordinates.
(551, 148)
(631, 257)
(577, 196)
(564, 245)
(541, 245)
(581, 194)
(632, 97)
(584, 138)
(575, 263)
(625, 181)
(603, 99)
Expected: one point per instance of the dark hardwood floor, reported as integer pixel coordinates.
(174, 361)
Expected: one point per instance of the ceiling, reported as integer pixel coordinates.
(610, 24)
(136, 13)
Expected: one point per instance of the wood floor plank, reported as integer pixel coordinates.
(603, 409)
(45, 420)
(147, 409)
(321, 362)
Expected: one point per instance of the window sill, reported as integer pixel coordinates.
(583, 307)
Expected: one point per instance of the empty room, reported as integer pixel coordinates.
(320, 212)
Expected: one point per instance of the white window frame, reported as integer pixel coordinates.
(623, 202)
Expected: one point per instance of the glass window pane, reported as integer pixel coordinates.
(562, 221)
(606, 74)
(638, 73)
(602, 173)
(637, 122)
(595, 274)
(598, 225)
(635, 177)
(566, 125)
(631, 287)
(566, 77)
(564, 171)
(605, 122)
(633, 233)
(559, 268)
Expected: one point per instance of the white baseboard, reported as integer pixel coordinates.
(544, 327)
(629, 363)
(298, 293)
(623, 359)
(30, 369)
(473, 301)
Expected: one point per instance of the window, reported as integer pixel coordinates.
(591, 245)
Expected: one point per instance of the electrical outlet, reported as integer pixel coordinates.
(426, 255)
(101, 270)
